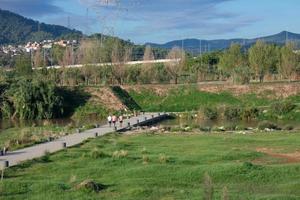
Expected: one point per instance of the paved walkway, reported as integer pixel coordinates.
(18, 156)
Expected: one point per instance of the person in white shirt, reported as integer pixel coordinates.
(109, 119)
(121, 120)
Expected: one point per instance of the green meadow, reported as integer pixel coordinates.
(162, 166)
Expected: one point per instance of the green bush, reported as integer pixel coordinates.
(211, 113)
(32, 99)
(206, 129)
(268, 125)
(46, 158)
(232, 113)
(288, 128)
(230, 127)
(282, 107)
(96, 153)
(242, 75)
(250, 113)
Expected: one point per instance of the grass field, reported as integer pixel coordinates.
(188, 98)
(165, 166)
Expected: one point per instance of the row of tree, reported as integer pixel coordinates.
(92, 50)
(259, 61)
(235, 64)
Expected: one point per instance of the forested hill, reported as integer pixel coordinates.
(15, 29)
(193, 45)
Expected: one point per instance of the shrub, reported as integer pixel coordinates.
(231, 127)
(288, 128)
(144, 150)
(91, 186)
(120, 154)
(46, 157)
(242, 74)
(25, 136)
(163, 158)
(232, 113)
(248, 166)
(211, 113)
(145, 159)
(96, 153)
(282, 107)
(268, 125)
(19, 98)
(72, 179)
(205, 129)
(89, 126)
(250, 113)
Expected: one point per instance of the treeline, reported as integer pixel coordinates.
(96, 48)
(259, 63)
(262, 61)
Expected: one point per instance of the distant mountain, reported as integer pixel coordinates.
(15, 29)
(193, 45)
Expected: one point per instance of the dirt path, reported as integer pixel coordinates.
(288, 157)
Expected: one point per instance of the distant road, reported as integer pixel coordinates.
(108, 64)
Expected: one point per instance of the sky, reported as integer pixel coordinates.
(160, 21)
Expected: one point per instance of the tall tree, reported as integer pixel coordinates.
(231, 59)
(176, 64)
(148, 54)
(56, 54)
(119, 57)
(68, 57)
(147, 68)
(38, 59)
(288, 61)
(89, 51)
(261, 58)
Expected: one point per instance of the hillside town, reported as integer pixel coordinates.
(14, 50)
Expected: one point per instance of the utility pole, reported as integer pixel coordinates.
(200, 47)
(44, 57)
(31, 58)
(69, 23)
(182, 48)
(72, 53)
(87, 21)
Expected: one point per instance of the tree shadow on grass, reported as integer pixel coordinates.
(72, 99)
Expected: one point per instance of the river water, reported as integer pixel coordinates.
(6, 124)
(203, 123)
(178, 121)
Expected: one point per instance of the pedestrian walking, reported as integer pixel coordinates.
(114, 120)
(121, 120)
(109, 119)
